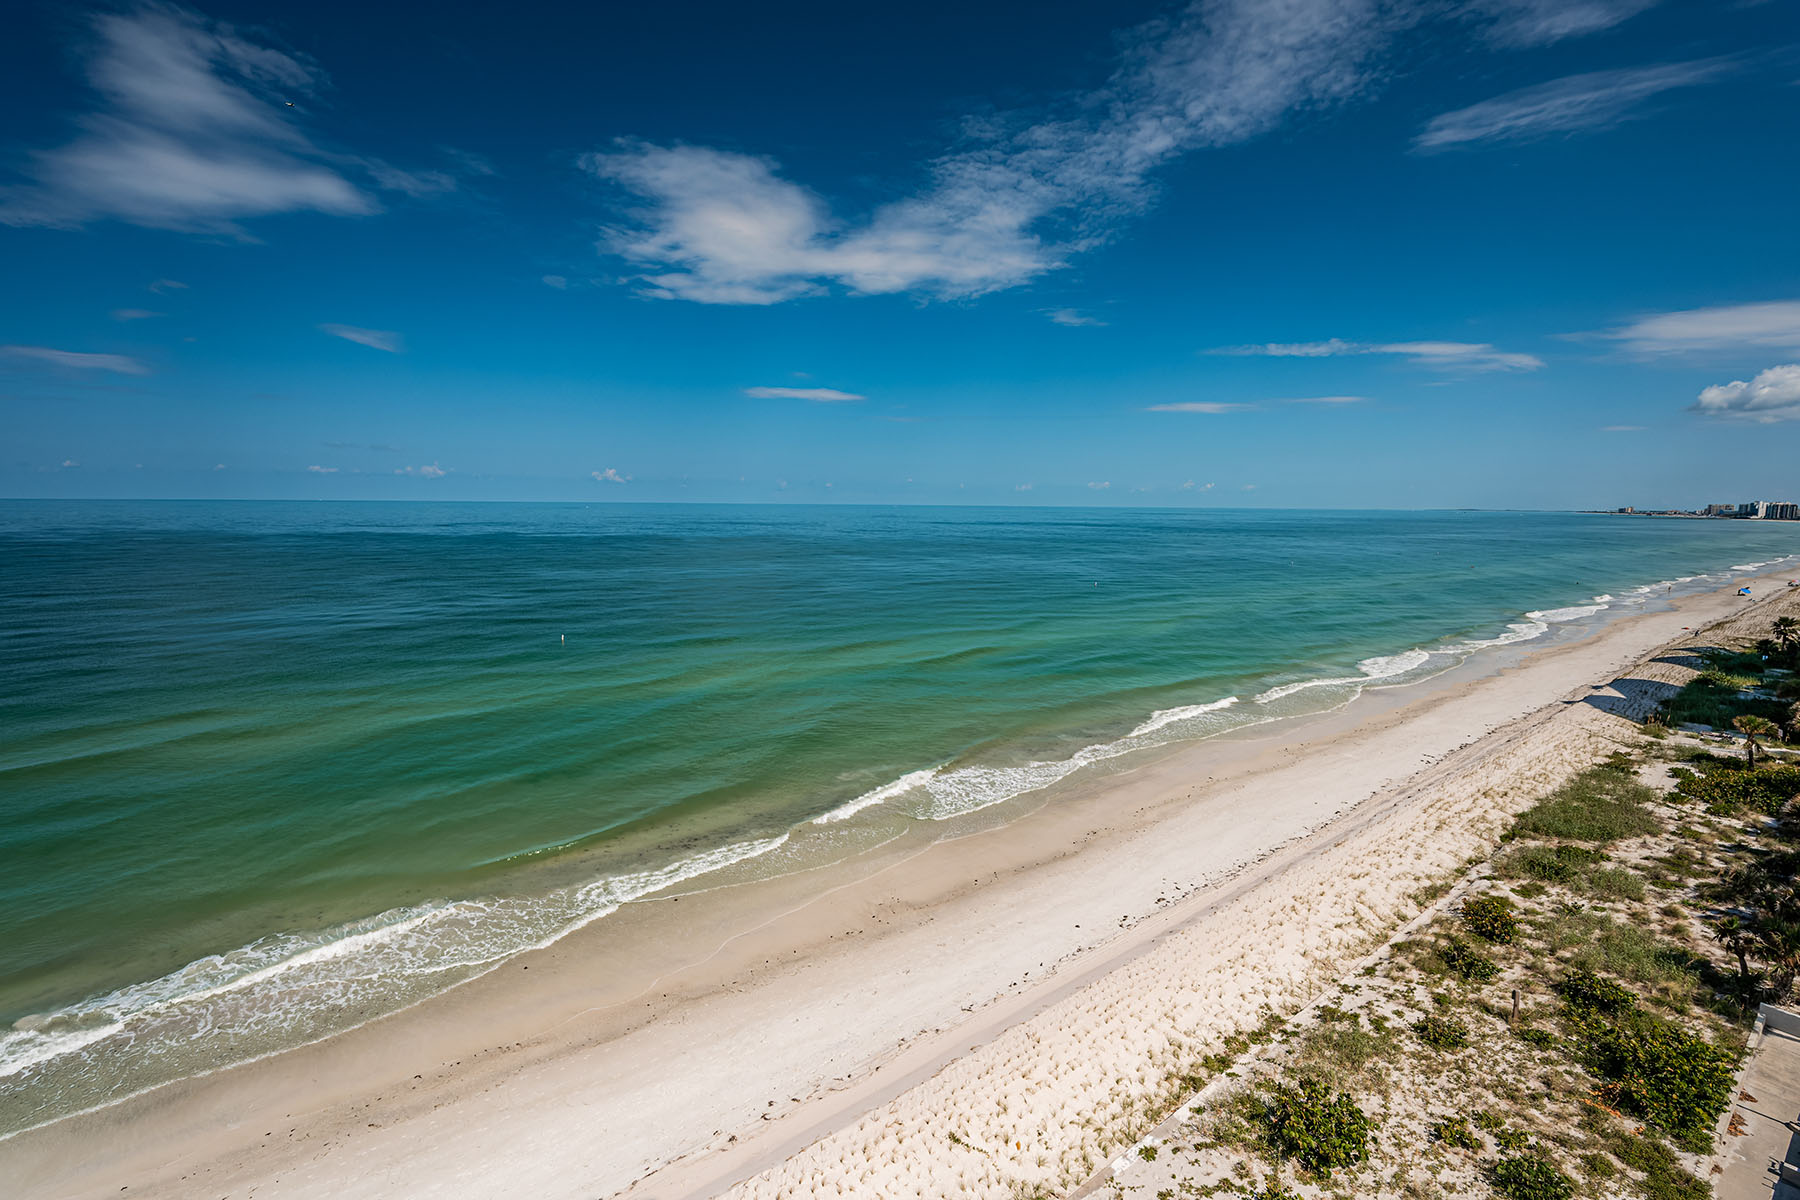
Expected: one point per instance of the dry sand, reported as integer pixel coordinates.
(968, 1017)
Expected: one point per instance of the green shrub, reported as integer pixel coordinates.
(1664, 1178)
(1490, 918)
(1543, 1039)
(1531, 1177)
(1661, 1072)
(1465, 961)
(1729, 792)
(1599, 805)
(1584, 991)
(1455, 1131)
(1306, 1121)
(1489, 1121)
(1442, 1033)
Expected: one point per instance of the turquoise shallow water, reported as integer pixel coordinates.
(269, 769)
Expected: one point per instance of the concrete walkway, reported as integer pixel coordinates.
(1768, 1098)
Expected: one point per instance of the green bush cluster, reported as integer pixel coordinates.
(1465, 961)
(1490, 918)
(1531, 1177)
(1728, 792)
(1442, 1033)
(1586, 992)
(1662, 1073)
(1664, 1178)
(1455, 1131)
(1323, 1130)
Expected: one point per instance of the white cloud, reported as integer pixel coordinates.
(816, 395)
(610, 475)
(133, 314)
(218, 466)
(1774, 395)
(195, 129)
(428, 471)
(1540, 22)
(318, 470)
(556, 281)
(1473, 356)
(375, 339)
(163, 286)
(1772, 325)
(1198, 406)
(117, 363)
(69, 462)
(1579, 102)
(1190, 486)
(1018, 195)
(1073, 317)
(1023, 487)
(1100, 486)
(1326, 400)
(1621, 429)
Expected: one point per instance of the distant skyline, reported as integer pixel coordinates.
(1321, 253)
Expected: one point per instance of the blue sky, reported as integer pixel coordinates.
(1344, 253)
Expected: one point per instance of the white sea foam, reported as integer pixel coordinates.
(880, 795)
(1168, 716)
(1559, 616)
(1373, 669)
(261, 988)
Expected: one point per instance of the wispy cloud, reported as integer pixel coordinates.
(559, 282)
(610, 475)
(1020, 194)
(69, 463)
(1190, 486)
(429, 471)
(133, 314)
(196, 128)
(375, 339)
(1771, 325)
(164, 286)
(1198, 406)
(316, 469)
(1100, 485)
(1621, 429)
(1774, 395)
(1023, 487)
(816, 395)
(1575, 104)
(1073, 317)
(1325, 400)
(1540, 22)
(117, 363)
(1473, 356)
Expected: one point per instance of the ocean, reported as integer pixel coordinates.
(268, 770)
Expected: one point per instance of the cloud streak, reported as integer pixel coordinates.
(1469, 356)
(1019, 195)
(1541, 22)
(375, 339)
(1576, 104)
(1771, 325)
(119, 364)
(815, 395)
(1198, 406)
(194, 131)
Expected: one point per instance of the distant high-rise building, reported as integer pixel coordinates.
(1781, 510)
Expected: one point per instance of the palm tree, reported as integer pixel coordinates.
(1787, 634)
(1753, 728)
(1733, 934)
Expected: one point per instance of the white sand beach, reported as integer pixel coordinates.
(975, 1017)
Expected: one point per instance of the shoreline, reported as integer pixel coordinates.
(572, 1084)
